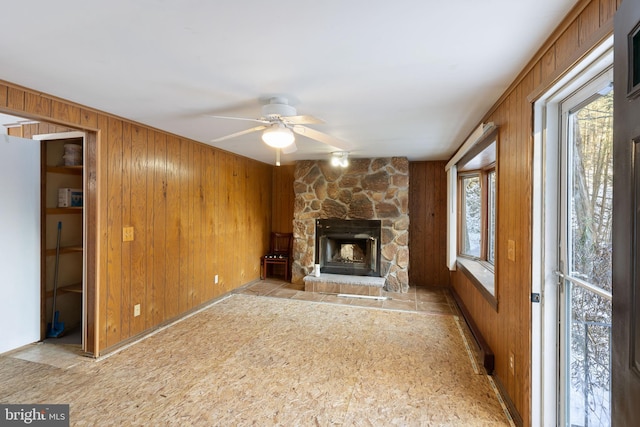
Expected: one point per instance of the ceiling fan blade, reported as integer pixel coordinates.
(242, 132)
(322, 137)
(240, 118)
(302, 120)
(290, 148)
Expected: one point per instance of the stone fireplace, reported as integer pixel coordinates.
(367, 190)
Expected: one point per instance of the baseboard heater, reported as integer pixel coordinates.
(488, 360)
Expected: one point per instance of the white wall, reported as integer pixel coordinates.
(19, 242)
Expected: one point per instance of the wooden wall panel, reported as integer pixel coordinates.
(126, 301)
(210, 290)
(173, 200)
(607, 10)
(37, 104)
(184, 236)
(15, 99)
(508, 330)
(589, 21)
(218, 212)
(569, 41)
(65, 112)
(138, 220)
(243, 221)
(88, 119)
(197, 226)
(427, 210)
(114, 220)
(3, 95)
(236, 220)
(159, 228)
(283, 199)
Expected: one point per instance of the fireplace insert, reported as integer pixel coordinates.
(349, 247)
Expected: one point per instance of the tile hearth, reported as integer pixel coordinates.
(430, 300)
(345, 284)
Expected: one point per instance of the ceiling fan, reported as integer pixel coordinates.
(279, 122)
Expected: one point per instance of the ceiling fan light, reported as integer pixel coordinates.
(340, 158)
(278, 136)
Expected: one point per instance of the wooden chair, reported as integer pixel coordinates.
(279, 254)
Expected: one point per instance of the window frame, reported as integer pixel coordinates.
(483, 174)
(461, 217)
(481, 159)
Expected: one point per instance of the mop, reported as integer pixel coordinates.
(56, 328)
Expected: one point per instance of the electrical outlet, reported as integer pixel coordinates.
(215, 279)
(127, 234)
(512, 364)
(136, 310)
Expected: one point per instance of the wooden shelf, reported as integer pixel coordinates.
(64, 250)
(64, 211)
(75, 288)
(69, 170)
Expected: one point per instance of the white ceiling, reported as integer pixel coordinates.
(404, 78)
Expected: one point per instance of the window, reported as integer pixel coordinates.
(477, 218)
(477, 189)
(471, 224)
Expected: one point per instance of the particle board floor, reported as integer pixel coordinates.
(268, 355)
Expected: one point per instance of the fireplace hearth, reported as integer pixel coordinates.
(350, 247)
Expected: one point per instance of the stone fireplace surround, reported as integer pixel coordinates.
(366, 189)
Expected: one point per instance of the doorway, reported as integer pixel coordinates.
(82, 242)
(573, 187)
(63, 238)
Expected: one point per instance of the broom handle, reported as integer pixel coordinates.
(55, 275)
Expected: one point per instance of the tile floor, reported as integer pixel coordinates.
(430, 300)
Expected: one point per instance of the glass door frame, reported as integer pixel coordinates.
(545, 335)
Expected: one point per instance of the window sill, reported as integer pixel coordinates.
(481, 277)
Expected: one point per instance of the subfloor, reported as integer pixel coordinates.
(271, 354)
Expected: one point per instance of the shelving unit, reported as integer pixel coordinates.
(55, 175)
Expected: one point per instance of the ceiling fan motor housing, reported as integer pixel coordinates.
(278, 108)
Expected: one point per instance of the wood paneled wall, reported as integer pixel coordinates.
(283, 199)
(428, 224)
(197, 212)
(508, 330)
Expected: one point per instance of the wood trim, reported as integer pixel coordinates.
(91, 238)
(488, 359)
(511, 407)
